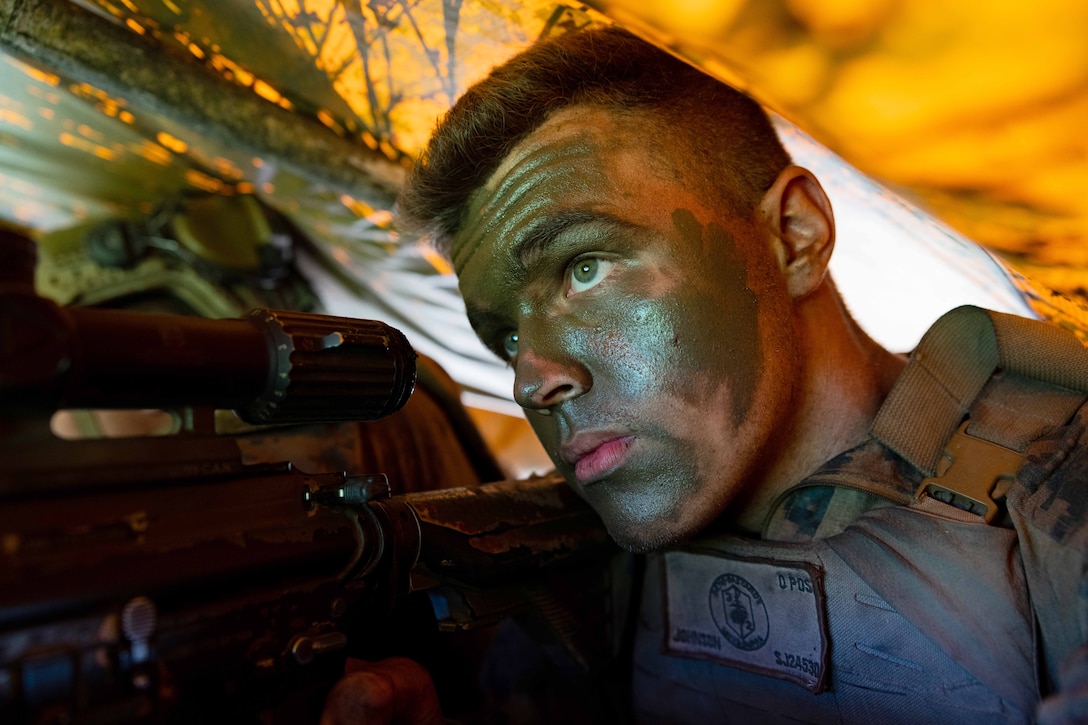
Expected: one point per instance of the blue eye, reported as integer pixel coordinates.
(510, 345)
(587, 273)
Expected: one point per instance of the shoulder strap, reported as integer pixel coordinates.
(953, 362)
(923, 418)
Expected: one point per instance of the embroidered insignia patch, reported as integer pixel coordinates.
(759, 615)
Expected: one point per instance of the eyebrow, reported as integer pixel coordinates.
(543, 232)
(483, 321)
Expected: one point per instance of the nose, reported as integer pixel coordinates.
(542, 380)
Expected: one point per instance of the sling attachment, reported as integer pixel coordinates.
(972, 474)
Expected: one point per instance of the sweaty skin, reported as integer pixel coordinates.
(654, 350)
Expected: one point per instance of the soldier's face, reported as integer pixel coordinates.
(646, 328)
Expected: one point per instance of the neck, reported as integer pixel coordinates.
(845, 378)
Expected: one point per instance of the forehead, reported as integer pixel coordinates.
(581, 158)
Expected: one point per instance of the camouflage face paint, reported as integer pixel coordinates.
(637, 324)
(744, 348)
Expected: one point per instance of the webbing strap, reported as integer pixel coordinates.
(954, 361)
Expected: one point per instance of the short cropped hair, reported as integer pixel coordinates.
(725, 133)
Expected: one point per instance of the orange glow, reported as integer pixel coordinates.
(15, 119)
(329, 120)
(111, 8)
(241, 75)
(692, 16)
(76, 142)
(203, 181)
(39, 75)
(231, 70)
(841, 23)
(154, 153)
(435, 259)
(88, 132)
(387, 149)
(266, 91)
(174, 144)
(224, 167)
(357, 207)
(134, 26)
(381, 218)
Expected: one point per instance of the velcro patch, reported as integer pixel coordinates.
(756, 614)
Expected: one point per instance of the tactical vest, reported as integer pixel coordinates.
(931, 575)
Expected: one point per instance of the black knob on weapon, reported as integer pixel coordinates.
(317, 360)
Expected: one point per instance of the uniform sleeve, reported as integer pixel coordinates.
(1069, 705)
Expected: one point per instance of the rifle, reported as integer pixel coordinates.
(165, 580)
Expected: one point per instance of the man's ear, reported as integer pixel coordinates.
(801, 228)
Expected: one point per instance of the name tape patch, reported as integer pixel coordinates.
(762, 616)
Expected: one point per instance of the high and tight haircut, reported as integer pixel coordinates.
(726, 134)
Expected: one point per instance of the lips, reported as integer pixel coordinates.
(596, 455)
